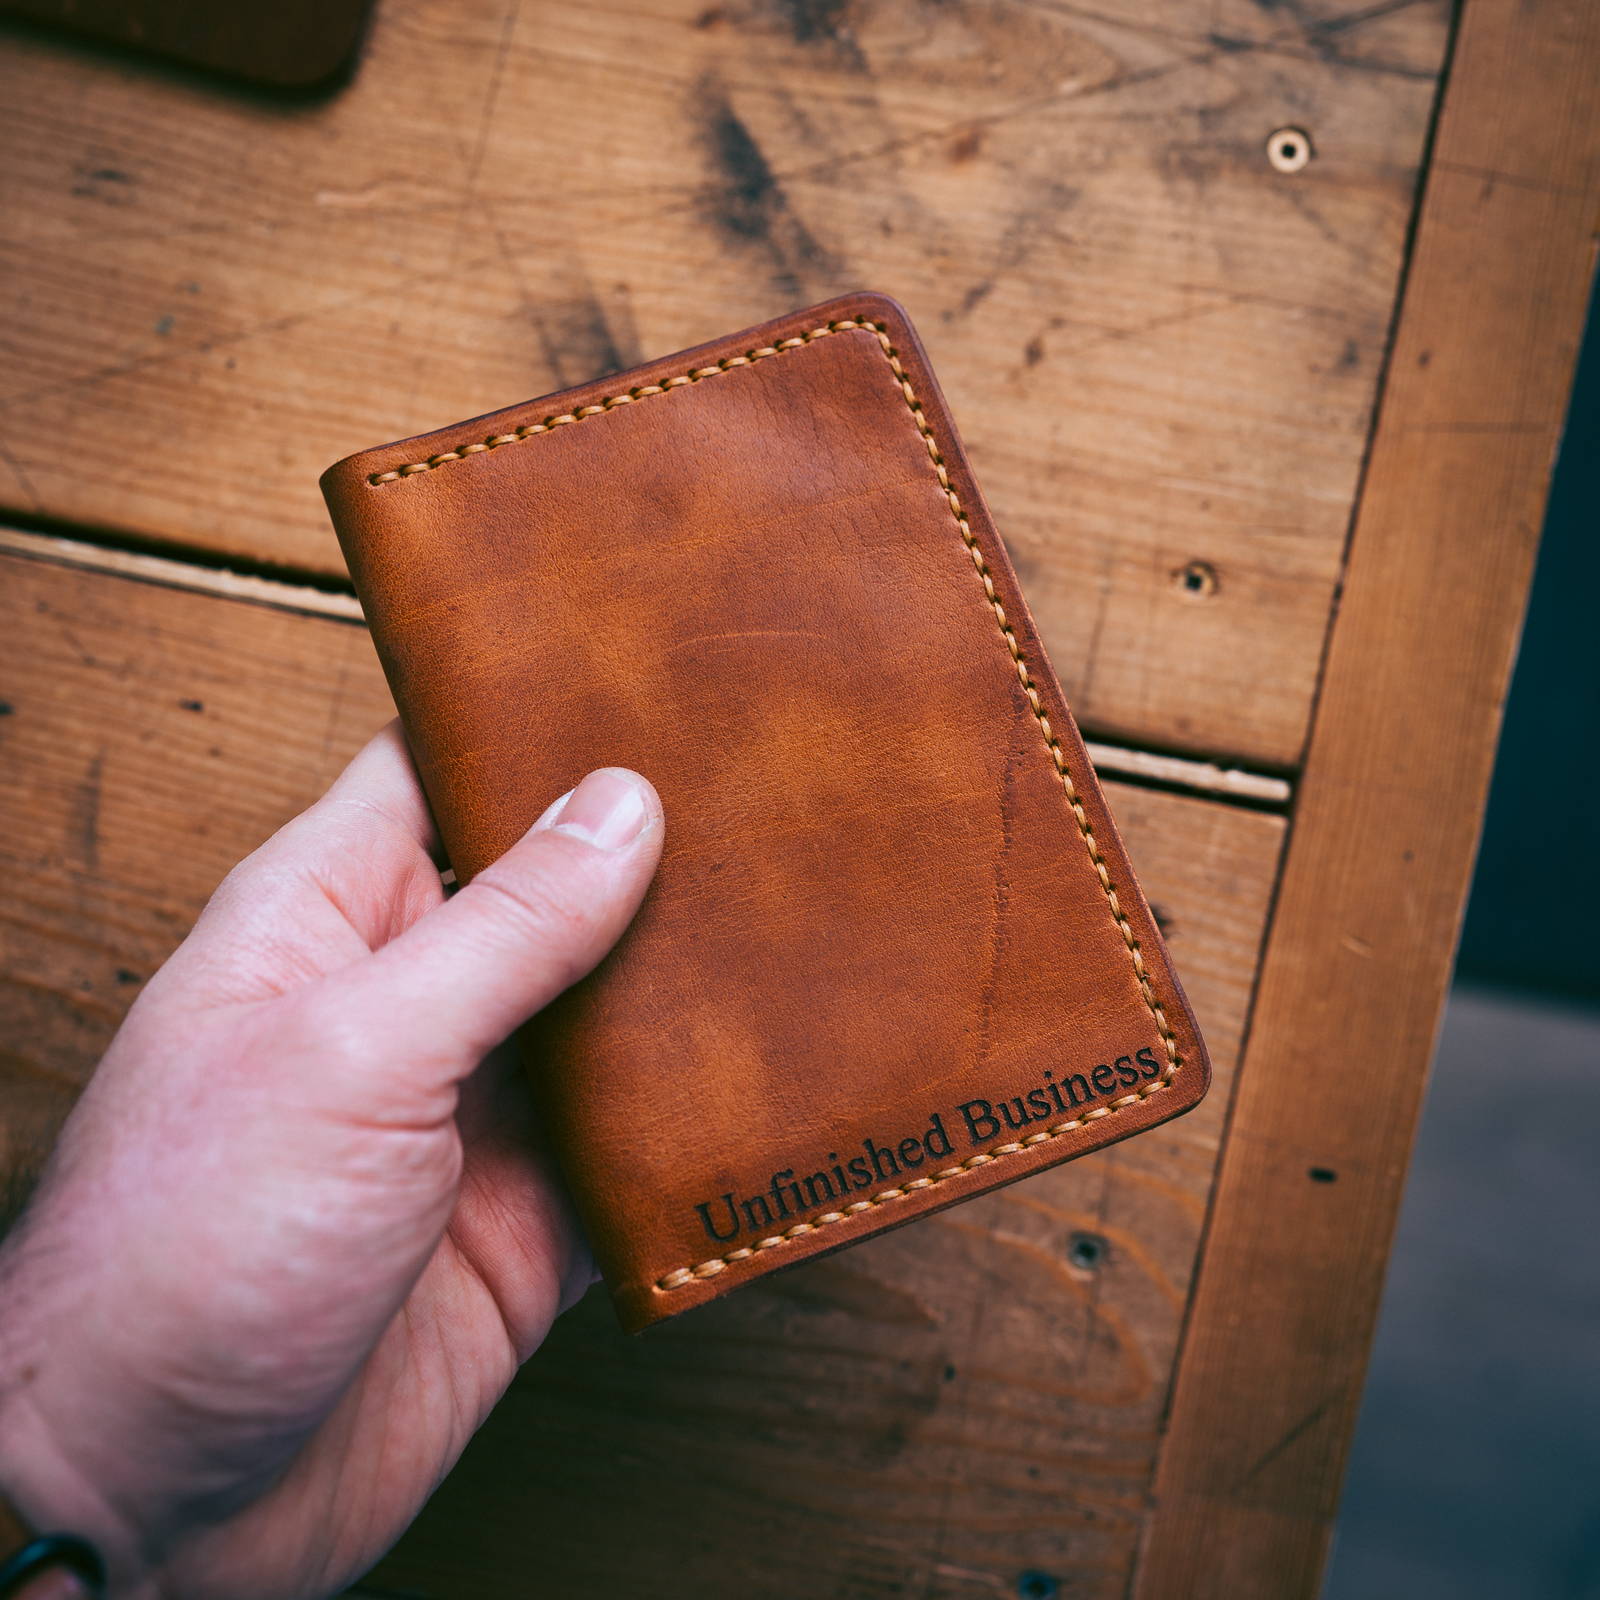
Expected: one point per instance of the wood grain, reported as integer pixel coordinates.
(1165, 354)
(935, 1412)
(149, 739)
(1387, 815)
(1162, 350)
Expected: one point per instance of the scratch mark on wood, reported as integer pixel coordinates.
(1285, 1440)
(24, 482)
(83, 819)
(1085, 693)
(1492, 428)
(272, 325)
(330, 731)
(469, 187)
(831, 166)
(1347, 244)
(1171, 319)
(1493, 176)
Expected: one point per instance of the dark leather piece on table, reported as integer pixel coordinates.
(287, 44)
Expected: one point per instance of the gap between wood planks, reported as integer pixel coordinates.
(1130, 764)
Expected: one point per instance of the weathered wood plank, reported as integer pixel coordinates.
(1387, 815)
(149, 738)
(935, 1412)
(1162, 349)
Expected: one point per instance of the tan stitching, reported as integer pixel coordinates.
(641, 391)
(709, 1269)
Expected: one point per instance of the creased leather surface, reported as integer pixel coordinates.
(880, 970)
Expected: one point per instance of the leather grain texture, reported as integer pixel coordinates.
(895, 955)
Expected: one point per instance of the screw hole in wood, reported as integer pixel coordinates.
(1289, 149)
(1086, 1251)
(1196, 580)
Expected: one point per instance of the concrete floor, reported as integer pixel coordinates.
(1476, 1468)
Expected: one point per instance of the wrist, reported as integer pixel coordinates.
(43, 1491)
(41, 1496)
(48, 1566)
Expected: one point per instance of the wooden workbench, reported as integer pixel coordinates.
(1259, 323)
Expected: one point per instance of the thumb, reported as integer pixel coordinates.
(463, 977)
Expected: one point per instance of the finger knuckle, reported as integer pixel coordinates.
(539, 908)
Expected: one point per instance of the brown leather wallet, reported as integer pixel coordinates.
(895, 955)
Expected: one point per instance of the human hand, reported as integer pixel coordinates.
(295, 1239)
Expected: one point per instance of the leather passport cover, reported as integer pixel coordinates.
(895, 955)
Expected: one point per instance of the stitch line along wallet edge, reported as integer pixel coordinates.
(895, 955)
